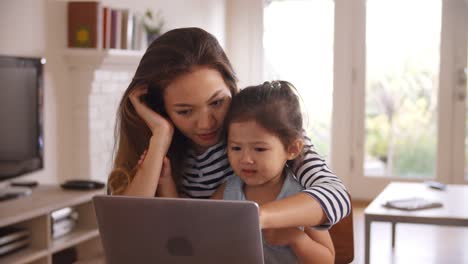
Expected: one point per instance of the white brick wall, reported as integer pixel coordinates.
(107, 89)
(98, 80)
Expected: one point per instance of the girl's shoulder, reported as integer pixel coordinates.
(233, 188)
(290, 186)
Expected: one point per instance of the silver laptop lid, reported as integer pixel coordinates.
(167, 230)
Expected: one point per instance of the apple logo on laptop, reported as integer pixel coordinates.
(179, 246)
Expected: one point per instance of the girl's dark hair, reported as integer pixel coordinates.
(175, 53)
(273, 105)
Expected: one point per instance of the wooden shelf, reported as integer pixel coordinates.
(105, 52)
(100, 58)
(25, 255)
(34, 213)
(75, 237)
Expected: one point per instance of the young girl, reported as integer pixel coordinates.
(264, 135)
(175, 107)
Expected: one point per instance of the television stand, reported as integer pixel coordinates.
(7, 193)
(34, 213)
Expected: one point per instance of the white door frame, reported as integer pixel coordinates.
(457, 52)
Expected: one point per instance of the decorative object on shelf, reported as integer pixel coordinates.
(153, 25)
(82, 185)
(63, 221)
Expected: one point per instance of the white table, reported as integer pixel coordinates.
(453, 213)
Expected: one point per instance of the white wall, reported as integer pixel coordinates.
(244, 40)
(38, 28)
(23, 31)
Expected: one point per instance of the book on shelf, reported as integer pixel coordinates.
(412, 204)
(84, 24)
(93, 25)
(127, 28)
(10, 234)
(14, 246)
(135, 33)
(116, 28)
(106, 27)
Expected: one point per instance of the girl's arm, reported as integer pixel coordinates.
(219, 193)
(309, 246)
(145, 181)
(314, 246)
(324, 202)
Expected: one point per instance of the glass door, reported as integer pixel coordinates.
(298, 44)
(404, 110)
(402, 80)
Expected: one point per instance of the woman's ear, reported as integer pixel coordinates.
(295, 148)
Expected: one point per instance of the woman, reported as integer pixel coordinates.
(175, 106)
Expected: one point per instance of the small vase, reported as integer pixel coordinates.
(150, 37)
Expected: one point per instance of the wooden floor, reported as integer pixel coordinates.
(415, 243)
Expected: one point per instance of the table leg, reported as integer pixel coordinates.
(393, 234)
(367, 239)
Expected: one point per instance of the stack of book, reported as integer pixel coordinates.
(13, 239)
(92, 25)
(63, 221)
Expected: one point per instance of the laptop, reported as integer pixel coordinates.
(178, 230)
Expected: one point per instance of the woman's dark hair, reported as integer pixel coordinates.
(175, 53)
(273, 105)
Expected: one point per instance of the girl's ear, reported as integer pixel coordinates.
(295, 148)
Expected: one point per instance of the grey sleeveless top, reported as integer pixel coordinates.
(271, 254)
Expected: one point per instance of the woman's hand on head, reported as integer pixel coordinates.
(156, 123)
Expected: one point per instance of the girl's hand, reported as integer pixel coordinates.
(166, 174)
(282, 236)
(155, 122)
(166, 184)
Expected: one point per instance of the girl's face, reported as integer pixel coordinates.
(255, 154)
(197, 103)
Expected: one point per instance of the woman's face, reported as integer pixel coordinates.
(197, 103)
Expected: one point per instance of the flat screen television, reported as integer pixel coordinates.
(21, 116)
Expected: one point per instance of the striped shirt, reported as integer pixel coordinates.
(204, 173)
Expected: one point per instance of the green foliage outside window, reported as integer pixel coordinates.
(401, 121)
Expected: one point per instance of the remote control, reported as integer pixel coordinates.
(30, 184)
(436, 185)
